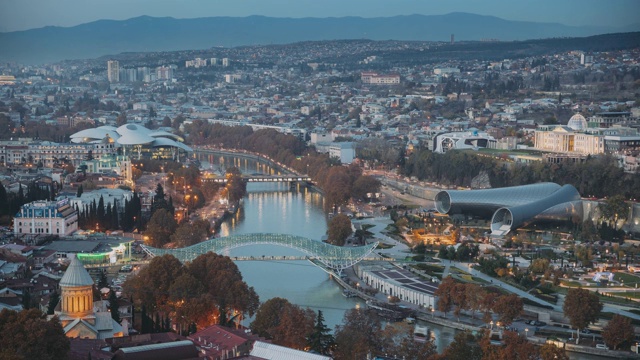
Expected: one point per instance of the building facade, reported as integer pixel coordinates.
(113, 71)
(46, 218)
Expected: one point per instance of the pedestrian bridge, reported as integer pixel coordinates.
(333, 257)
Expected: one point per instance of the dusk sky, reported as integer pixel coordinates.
(27, 14)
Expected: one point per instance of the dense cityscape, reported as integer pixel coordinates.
(428, 200)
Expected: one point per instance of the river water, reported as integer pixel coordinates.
(277, 208)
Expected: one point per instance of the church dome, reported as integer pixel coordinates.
(577, 123)
(76, 275)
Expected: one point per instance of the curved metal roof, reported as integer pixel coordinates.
(514, 206)
(492, 199)
(76, 275)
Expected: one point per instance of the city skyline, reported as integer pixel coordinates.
(16, 16)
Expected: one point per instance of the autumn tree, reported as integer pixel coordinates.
(284, 323)
(320, 340)
(464, 346)
(160, 228)
(29, 335)
(552, 352)
(339, 229)
(618, 331)
(508, 307)
(365, 185)
(150, 286)
(358, 335)
(582, 307)
(188, 234)
(223, 282)
(443, 292)
(539, 266)
(516, 347)
(398, 339)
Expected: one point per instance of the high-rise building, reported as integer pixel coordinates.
(113, 71)
(225, 62)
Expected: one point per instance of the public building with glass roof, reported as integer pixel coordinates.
(513, 207)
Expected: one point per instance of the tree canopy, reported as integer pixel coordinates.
(339, 229)
(582, 307)
(29, 335)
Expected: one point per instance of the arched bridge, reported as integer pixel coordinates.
(333, 257)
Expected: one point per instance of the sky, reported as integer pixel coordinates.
(27, 14)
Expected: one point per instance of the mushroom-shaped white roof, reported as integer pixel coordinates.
(164, 134)
(577, 123)
(130, 134)
(158, 142)
(135, 138)
(100, 132)
(128, 128)
(76, 275)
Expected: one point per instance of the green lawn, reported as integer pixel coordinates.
(628, 279)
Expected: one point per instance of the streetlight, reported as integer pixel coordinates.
(433, 313)
(491, 323)
(526, 332)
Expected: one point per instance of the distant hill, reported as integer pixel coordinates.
(146, 33)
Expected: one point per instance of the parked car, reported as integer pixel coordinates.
(602, 347)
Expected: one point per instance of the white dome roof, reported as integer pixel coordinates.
(577, 123)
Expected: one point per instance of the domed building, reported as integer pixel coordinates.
(135, 138)
(577, 123)
(79, 315)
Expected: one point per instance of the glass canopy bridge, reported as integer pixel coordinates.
(336, 258)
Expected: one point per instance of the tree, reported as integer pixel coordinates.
(339, 229)
(54, 299)
(152, 283)
(613, 209)
(539, 266)
(444, 294)
(269, 320)
(358, 335)
(618, 331)
(508, 307)
(365, 185)
(114, 306)
(223, 282)
(464, 346)
(320, 340)
(552, 352)
(28, 335)
(160, 228)
(582, 307)
(188, 234)
(159, 201)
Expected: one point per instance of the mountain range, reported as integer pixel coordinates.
(141, 34)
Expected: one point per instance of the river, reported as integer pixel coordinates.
(275, 208)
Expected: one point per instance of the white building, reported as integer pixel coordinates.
(113, 70)
(462, 140)
(46, 218)
(393, 281)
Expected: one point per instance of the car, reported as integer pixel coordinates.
(586, 331)
(602, 347)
